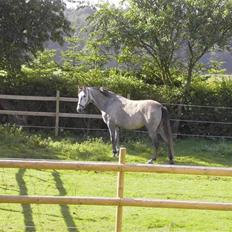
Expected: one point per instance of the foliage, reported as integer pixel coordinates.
(143, 32)
(216, 67)
(25, 26)
(45, 78)
(207, 26)
(43, 66)
(79, 57)
(162, 36)
(215, 95)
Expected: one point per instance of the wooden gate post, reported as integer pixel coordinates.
(57, 112)
(120, 190)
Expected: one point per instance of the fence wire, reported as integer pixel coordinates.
(188, 127)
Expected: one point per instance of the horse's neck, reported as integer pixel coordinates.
(99, 101)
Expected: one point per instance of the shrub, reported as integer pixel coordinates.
(207, 91)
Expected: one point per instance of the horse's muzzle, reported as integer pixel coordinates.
(80, 109)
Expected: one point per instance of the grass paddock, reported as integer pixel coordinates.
(15, 217)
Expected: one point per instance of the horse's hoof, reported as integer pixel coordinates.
(150, 161)
(115, 155)
(171, 162)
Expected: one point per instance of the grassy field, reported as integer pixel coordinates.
(17, 144)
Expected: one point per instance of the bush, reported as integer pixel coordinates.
(214, 93)
(208, 91)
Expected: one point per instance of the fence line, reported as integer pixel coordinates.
(114, 167)
(110, 201)
(200, 106)
(36, 98)
(57, 114)
(72, 99)
(119, 201)
(201, 121)
(131, 131)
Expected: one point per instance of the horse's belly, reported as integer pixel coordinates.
(134, 126)
(131, 123)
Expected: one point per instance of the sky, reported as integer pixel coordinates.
(116, 2)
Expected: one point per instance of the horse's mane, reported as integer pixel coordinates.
(106, 92)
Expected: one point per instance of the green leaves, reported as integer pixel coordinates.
(44, 66)
(25, 26)
(143, 30)
(166, 35)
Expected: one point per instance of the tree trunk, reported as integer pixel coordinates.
(183, 99)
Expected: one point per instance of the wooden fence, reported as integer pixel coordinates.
(56, 114)
(119, 201)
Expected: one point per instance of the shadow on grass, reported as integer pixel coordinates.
(27, 211)
(204, 152)
(139, 149)
(70, 223)
(201, 152)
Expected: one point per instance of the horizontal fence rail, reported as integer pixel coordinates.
(108, 201)
(119, 201)
(50, 114)
(57, 114)
(114, 167)
(36, 98)
(72, 99)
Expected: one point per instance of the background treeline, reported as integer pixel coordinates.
(149, 50)
(205, 91)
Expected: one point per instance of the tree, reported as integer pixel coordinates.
(207, 27)
(168, 35)
(147, 29)
(43, 66)
(24, 27)
(79, 57)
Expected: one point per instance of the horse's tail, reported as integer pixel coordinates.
(168, 133)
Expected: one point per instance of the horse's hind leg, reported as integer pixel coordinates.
(166, 140)
(117, 139)
(155, 142)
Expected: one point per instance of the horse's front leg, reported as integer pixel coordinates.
(113, 138)
(113, 132)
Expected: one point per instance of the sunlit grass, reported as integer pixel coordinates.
(17, 144)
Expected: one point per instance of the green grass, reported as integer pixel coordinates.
(14, 217)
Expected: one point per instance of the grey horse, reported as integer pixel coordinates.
(120, 112)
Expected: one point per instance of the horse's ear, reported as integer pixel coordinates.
(81, 88)
(102, 90)
(105, 92)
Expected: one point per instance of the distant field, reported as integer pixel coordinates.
(14, 143)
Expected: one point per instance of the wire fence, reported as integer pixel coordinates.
(189, 123)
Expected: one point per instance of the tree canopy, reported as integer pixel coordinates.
(24, 27)
(165, 36)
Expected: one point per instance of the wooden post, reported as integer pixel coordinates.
(57, 112)
(120, 190)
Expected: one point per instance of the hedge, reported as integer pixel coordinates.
(204, 91)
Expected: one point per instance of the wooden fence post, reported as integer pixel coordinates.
(120, 190)
(57, 112)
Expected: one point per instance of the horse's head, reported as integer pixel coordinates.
(83, 99)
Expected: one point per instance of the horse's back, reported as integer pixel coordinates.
(132, 114)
